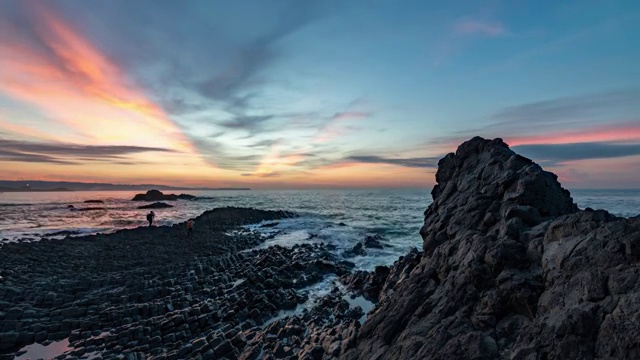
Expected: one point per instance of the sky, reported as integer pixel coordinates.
(317, 93)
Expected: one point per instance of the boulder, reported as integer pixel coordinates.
(356, 250)
(156, 205)
(511, 269)
(373, 241)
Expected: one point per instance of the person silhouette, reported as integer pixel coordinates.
(150, 216)
(189, 227)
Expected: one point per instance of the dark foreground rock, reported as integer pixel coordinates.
(510, 270)
(153, 293)
(156, 205)
(156, 195)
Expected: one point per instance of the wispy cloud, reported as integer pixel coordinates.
(55, 69)
(250, 123)
(558, 153)
(350, 115)
(16, 156)
(424, 162)
(615, 132)
(235, 84)
(571, 108)
(336, 125)
(276, 162)
(470, 26)
(611, 116)
(62, 153)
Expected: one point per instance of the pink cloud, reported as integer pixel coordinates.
(477, 27)
(350, 115)
(608, 133)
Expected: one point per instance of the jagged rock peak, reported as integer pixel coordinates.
(483, 185)
(511, 270)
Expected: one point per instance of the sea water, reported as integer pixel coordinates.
(337, 217)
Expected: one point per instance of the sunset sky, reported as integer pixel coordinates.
(308, 94)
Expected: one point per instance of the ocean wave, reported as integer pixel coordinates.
(14, 205)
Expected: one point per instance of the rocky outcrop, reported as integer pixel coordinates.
(156, 205)
(156, 195)
(510, 270)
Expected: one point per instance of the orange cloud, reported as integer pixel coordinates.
(25, 130)
(273, 163)
(73, 83)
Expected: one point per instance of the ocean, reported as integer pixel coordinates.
(337, 217)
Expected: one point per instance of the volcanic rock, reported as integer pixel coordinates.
(155, 205)
(156, 195)
(373, 241)
(356, 250)
(510, 270)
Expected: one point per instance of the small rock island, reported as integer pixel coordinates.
(157, 195)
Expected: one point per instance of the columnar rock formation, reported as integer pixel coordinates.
(510, 270)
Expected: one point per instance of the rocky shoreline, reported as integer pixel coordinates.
(151, 292)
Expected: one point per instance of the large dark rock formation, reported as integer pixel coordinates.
(510, 270)
(157, 195)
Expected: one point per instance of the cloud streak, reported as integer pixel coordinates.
(61, 153)
(574, 108)
(56, 70)
(558, 153)
(240, 76)
(422, 162)
(478, 27)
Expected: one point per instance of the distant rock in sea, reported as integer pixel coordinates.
(87, 209)
(156, 195)
(94, 202)
(510, 269)
(155, 205)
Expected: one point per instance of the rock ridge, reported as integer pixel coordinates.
(510, 269)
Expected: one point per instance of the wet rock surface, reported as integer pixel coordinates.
(510, 270)
(324, 332)
(153, 293)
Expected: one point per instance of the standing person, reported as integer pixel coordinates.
(150, 216)
(189, 227)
